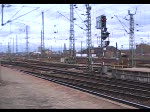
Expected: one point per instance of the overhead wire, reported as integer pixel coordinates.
(16, 5)
(70, 21)
(105, 8)
(124, 10)
(121, 24)
(19, 16)
(108, 14)
(80, 18)
(119, 12)
(16, 13)
(29, 21)
(25, 14)
(93, 28)
(45, 11)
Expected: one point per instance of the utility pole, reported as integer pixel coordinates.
(61, 50)
(102, 48)
(9, 51)
(141, 47)
(16, 45)
(65, 47)
(81, 48)
(41, 44)
(10, 48)
(116, 53)
(27, 43)
(2, 13)
(89, 41)
(131, 38)
(43, 28)
(72, 38)
(42, 35)
(51, 48)
(13, 44)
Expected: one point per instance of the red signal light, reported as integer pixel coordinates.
(103, 18)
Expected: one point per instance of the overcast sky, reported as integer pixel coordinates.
(55, 22)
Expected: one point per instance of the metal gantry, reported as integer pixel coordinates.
(16, 45)
(2, 14)
(9, 51)
(42, 35)
(27, 42)
(89, 40)
(72, 38)
(131, 39)
(131, 36)
(81, 48)
(13, 45)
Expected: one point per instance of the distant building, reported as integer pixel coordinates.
(109, 52)
(66, 53)
(143, 49)
(48, 52)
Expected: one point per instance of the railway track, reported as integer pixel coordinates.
(104, 86)
(59, 65)
(67, 66)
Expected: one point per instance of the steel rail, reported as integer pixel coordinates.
(87, 76)
(139, 105)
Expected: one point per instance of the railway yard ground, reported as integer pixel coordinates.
(87, 70)
(19, 90)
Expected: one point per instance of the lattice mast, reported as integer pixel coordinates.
(131, 39)
(89, 40)
(72, 38)
(27, 42)
(42, 35)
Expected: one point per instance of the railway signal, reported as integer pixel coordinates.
(104, 32)
(103, 21)
(105, 35)
(101, 24)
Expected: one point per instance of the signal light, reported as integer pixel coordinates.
(107, 43)
(105, 35)
(103, 21)
(105, 29)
